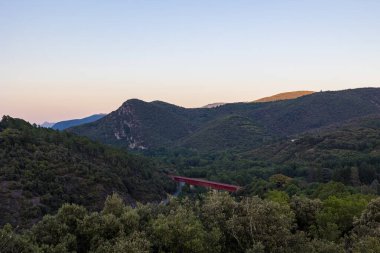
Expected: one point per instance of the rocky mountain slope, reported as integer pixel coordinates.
(142, 125)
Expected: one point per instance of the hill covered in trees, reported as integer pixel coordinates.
(141, 125)
(227, 133)
(40, 169)
(346, 152)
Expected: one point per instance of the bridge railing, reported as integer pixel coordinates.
(206, 183)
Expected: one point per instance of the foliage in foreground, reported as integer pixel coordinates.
(214, 223)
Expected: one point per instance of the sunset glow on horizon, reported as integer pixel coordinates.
(71, 59)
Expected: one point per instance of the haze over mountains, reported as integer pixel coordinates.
(47, 124)
(62, 125)
(75, 122)
(143, 125)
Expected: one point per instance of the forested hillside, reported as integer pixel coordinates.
(229, 133)
(317, 110)
(348, 153)
(40, 169)
(141, 125)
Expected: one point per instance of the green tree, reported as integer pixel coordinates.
(181, 231)
(366, 244)
(114, 205)
(323, 246)
(135, 243)
(217, 209)
(256, 221)
(280, 180)
(53, 236)
(366, 232)
(278, 196)
(305, 210)
(331, 189)
(11, 242)
(337, 215)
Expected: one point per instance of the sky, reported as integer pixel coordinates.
(70, 59)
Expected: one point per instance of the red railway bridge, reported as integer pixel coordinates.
(206, 183)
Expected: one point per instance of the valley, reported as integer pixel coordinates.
(304, 160)
(189, 126)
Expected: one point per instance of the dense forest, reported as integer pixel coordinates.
(348, 153)
(214, 222)
(41, 169)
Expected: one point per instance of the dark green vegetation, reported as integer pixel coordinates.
(138, 124)
(309, 167)
(40, 169)
(242, 133)
(216, 222)
(348, 153)
(75, 122)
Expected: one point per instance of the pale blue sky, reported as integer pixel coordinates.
(67, 59)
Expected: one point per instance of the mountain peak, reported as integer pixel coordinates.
(285, 96)
(133, 101)
(47, 124)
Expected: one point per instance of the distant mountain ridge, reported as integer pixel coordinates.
(143, 125)
(47, 124)
(75, 122)
(213, 105)
(285, 96)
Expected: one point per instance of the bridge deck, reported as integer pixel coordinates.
(206, 183)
